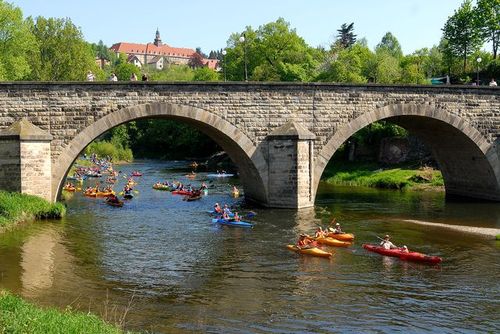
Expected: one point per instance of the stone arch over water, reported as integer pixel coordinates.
(468, 161)
(242, 151)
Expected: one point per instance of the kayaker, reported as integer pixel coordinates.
(236, 218)
(227, 210)
(225, 215)
(217, 208)
(404, 249)
(305, 241)
(338, 229)
(319, 232)
(386, 243)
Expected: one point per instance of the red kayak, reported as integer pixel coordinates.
(182, 192)
(405, 256)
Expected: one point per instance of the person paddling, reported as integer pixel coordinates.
(386, 243)
(217, 208)
(338, 229)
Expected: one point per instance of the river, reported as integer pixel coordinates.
(162, 261)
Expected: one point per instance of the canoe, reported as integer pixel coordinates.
(221, 221)
(332, 242)
(161, 187)
(192, 198)
(220, 175)
(410, 256)
(342, 236)
(309, 251)
(104, 194)
(181, 192)
(117, 204)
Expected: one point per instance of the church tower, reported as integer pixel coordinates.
(157, 41)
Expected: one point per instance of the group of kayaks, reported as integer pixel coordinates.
(345, 240)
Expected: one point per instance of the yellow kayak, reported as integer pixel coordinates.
(342, 236)
(235, 194)
(332, 242)
(309, 251)
(105, 194)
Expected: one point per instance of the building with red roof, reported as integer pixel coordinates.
(157, 54)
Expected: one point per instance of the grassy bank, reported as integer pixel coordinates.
(16, 208)
(18, 316)
(113, 149)
(372, 175)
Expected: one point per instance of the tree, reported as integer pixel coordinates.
(386, 68)
(274, 53)
(205, 74)
(125, 70)
(349, 65)
(17, 43)
(196, 60)
(201, 53)
(462, 34)
(390, 44)
(63, 53)
(346, 37)
(488, 21)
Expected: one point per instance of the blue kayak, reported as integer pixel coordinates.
(231, 222)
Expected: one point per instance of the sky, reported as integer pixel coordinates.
(208, 24)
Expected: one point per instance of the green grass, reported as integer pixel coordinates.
(19, 316)
(105, 148)
(16, 207)
(371, 175)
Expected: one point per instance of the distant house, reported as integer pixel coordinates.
(157, 54)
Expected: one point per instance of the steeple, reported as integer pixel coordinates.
(157, 38)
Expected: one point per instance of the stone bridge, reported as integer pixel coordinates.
(280, 135)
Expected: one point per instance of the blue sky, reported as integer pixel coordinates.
(208, 24)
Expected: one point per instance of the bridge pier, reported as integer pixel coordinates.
(25, 164)
(290, 166)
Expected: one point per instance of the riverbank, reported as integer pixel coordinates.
(17, 208)
(19, 316)
(372, 175)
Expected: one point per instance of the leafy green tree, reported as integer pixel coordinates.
(63, 53)
(386, 68)
(17, 43)
(462, 34)
(346, 37)
(412, 70)
(349, 65)
(390, 45)
(205, 74)
(125, 70)
(488, 20)
(274, 53)
(171, 73)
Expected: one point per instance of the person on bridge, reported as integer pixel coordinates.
(90, 76)
(493, 83)
(387, 244)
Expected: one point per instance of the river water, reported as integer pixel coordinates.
(161, 261)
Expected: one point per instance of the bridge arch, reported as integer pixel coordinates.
(468, 161)
(240, 148)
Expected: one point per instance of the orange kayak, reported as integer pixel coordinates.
(342, 236)
(332, 242)
(105, 194)
(309, 251)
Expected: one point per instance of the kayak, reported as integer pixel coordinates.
(231, 222)
(69, 189)
(342, 236)
(90, 194)
(192, 198)
(128, 196)
(117, 204)
(220, 175)
(161, 187)
(405, 256)
(235, 194)
(136, 174)
(190, 176)
(104, 194)
(332, 242)
(309, 251)
(182, 192)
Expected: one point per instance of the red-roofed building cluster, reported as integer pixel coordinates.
(157, 54)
